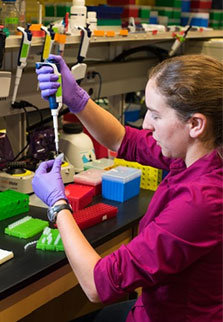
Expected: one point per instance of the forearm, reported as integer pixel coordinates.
(82, 257)
(102, 125)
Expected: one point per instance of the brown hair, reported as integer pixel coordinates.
(193, 84)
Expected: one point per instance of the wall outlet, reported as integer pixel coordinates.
(90, 75)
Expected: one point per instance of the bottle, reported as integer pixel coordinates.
(92, 20)
(78, 13)
(10, 18)
(77, 146)
(21, 8)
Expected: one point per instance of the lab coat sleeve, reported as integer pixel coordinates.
(140, 146)
(177, 238)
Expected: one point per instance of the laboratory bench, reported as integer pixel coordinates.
(35, 277)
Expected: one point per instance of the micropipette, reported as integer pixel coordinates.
(55, 101)
(22, 58)
(178, 42)
(79, 69)
(48, 42)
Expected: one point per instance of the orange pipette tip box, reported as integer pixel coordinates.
(99, 33)
(110, 33)
(61, 39)
(123, 32)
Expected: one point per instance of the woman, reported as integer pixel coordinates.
(177, 256)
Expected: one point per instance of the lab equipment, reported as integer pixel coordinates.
(76, 146)
(60, 157)
(79, 196)
(22, 12)
(48, 41)
(92, 20)
(78, 13)
(9, 15)
(26, 227)
(150, 178)
(55, 101)
(5, 77)
(6, 153)
(22, 57)
(19, 180)
(74, 96)
(102, 163)
(95, 214)
(121, 183)
(92, 178)
(13, 203)
(50, 240)
(79, 69)
(67, 170)
(178, 42)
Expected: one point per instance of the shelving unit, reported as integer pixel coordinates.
(14, 41)
(118, 78)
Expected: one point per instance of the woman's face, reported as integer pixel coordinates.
(171, 134)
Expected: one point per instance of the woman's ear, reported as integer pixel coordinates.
(198, 125)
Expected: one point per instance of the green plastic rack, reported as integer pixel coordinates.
(13, 203)
(50, 240)
(26, 227)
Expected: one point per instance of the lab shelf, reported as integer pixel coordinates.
(14, 41)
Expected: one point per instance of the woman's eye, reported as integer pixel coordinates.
(155, 117)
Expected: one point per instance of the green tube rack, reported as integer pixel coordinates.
(26, 227)
(13, 203)
(50, 240)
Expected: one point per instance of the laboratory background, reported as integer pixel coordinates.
(110, 47)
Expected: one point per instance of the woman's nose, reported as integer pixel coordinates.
(147, 122)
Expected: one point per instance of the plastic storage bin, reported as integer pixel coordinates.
(150, 178)
(50, 240)
(197, 19)
(185, 5)
(121, 183)
(95, 214)
(26, 227)
(201, 4)
(92, 178)
(13, 203)
(79, 196)
(102, 163)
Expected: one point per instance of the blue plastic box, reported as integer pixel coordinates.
(106, 12)
(197, 19)
(121, 183)
(185, 6)
(132, 116)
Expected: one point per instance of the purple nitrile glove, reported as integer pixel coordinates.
(74, 96)
(47, 182)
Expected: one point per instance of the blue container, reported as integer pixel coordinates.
(197, 19)
(121, 183)
(184, 19)
(153, 20)
(106, 12)
(185, 5)
(132, 115)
